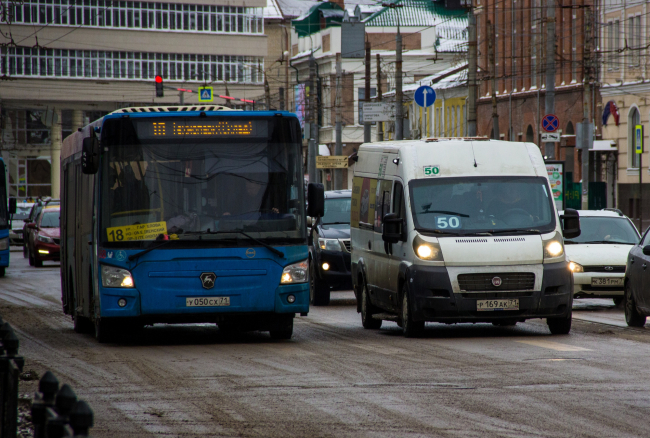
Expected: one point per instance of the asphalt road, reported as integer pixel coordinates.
(336, 379)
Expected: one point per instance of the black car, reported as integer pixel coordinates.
(637, 283)
(330, 249)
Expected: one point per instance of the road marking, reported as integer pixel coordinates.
(553, 345)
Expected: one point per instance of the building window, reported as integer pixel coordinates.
(141, 15)
(32, 62)
(633, 119)
(617, 42)
(574, 42)
(534, 11)
(634, 38)
(530, 135)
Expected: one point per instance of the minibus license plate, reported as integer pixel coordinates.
(207, 302)
(491, 305)
(606, 281)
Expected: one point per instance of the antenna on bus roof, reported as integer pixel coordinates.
(474, 155)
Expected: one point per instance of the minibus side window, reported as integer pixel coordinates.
(399, 206)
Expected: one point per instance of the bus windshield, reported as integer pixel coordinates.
(462, 206)
(201, 180)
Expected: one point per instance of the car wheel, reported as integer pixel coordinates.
(283, 333)
(24, 250)
(560, 326)
(38, 263)
(632, 316)
(30, 257)
(367, 310)
(319, 292)
(104, 331)
(410, 328)
(2, 271)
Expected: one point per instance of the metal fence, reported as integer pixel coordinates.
(56, 412)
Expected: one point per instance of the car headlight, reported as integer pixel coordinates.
(576, 267)
(44, 239)
(329, 244)
(554, 248)
(295, 273)
(4, 244)
(427, 250)
(116, 277)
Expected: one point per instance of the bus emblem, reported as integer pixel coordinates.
(207, 279)
(496, 281)
(250, 253)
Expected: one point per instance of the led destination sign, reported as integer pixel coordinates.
(201, 128)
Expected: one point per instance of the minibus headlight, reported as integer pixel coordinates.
(329, 244)
(576, 267)
(554, 248)
(116, 277)
(427, 250)
(295, 273)
(4, 244)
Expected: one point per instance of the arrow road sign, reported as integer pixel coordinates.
(425, 96)
(550, 123)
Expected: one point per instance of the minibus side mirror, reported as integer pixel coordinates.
(90, 155)
(315, 200)
(570, 223)
(12, 205)
(392, 232)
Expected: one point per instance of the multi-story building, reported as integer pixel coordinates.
(623, 36)
(512, 37)
(65, 62)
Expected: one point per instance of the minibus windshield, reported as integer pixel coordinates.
(470, 205)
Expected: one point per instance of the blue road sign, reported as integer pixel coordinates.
(550, 123)
(425, 96)
(205, 94)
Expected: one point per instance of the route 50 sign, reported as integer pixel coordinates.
(431, 170)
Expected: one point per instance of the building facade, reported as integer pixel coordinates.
(65, 63)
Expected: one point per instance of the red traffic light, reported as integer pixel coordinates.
(159, 79)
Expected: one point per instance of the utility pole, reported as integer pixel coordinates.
(399, 118)
(366, 125)
(472, 68)
(267, 93)
(313, 146)
(550, 70)
(338, 149)
(587, 127)
(380, 125)
(493, 73)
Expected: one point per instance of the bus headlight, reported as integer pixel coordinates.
(329, 244)
(4, 244)
(576, 267)
(427, 250)
(296, 273)
(116, 277)
(553, 248)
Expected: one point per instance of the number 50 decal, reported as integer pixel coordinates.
(447, 222)
(431, 170)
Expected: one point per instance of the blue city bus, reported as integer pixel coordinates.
(185, 215)
(6, 210)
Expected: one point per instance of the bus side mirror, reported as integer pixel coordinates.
(12, 205)
(315, 200)
(392, 232)
(570, 223)
(90, 155)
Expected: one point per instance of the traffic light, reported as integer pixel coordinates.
(159, 86)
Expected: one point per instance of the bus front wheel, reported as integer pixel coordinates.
(284, 330)
(103, 331)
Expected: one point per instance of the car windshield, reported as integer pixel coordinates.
(606, 230)
(50, 219)
(337, 211)
(22, 213)
(171, 178)
(482, 205)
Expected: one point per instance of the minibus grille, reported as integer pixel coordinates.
(509, 281)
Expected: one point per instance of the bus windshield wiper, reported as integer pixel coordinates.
(451, 213)
(150, 248)
(239, 231)
(336, 223)
(606, 242)
(516, 230)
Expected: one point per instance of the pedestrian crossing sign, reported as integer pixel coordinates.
(205, 94)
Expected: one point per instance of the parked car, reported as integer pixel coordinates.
(18, 220)
(637, 283)
(598, 256)
(330, 252)
(46, 241)
(28, 235)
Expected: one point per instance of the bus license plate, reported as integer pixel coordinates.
(207, 302)
(606, 281)
(491, 305)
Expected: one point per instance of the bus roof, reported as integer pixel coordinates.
(73, 143)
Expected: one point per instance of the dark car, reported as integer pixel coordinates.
(637, 283)
(28, 233)
(46, 242)
(330, 249)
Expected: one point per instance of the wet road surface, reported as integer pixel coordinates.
(336, 379)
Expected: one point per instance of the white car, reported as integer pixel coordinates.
(18, 221)
(599, 255)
